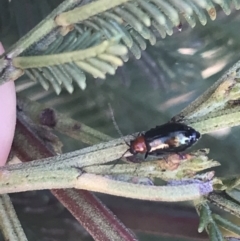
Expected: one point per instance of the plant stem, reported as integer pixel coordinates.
(9, 222)
(206, 220)
(173, 167)
(152, 193)
(68, 57)
(41, 30)
(104, 221)
(28, 146)
(224, 203)
(22, 179)
(216, 120)
(80, 14)
(42, 115)
(217, 107)
(226, 224)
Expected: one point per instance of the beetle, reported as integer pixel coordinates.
(171, 137)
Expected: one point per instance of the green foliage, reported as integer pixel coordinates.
(135, 21)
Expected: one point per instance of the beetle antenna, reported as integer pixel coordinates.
(119, 132)
(115, 123)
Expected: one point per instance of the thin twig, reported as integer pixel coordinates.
(9, 222)
(216, 120)
(69, 57)
(206, 220)
(225, 204)
(226, 224)
(85, 12)
(42, 115)
(216, 104)
(42, 29)
(172, 167)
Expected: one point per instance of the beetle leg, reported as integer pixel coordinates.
(119, 159)
(80, 169)
(182, 155)
(165, 158)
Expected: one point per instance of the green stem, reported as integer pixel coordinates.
(63, 58)
(172, 167)
(152, 193)
(38, 178)
(226, 224)
(224, 203)
(42, 29)
(207, 221)
(103, 225)
(216, 120)
(85, 12)
(9, 223)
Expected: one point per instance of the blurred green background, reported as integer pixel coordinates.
(144, 93)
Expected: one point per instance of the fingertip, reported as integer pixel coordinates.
(7, 117)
